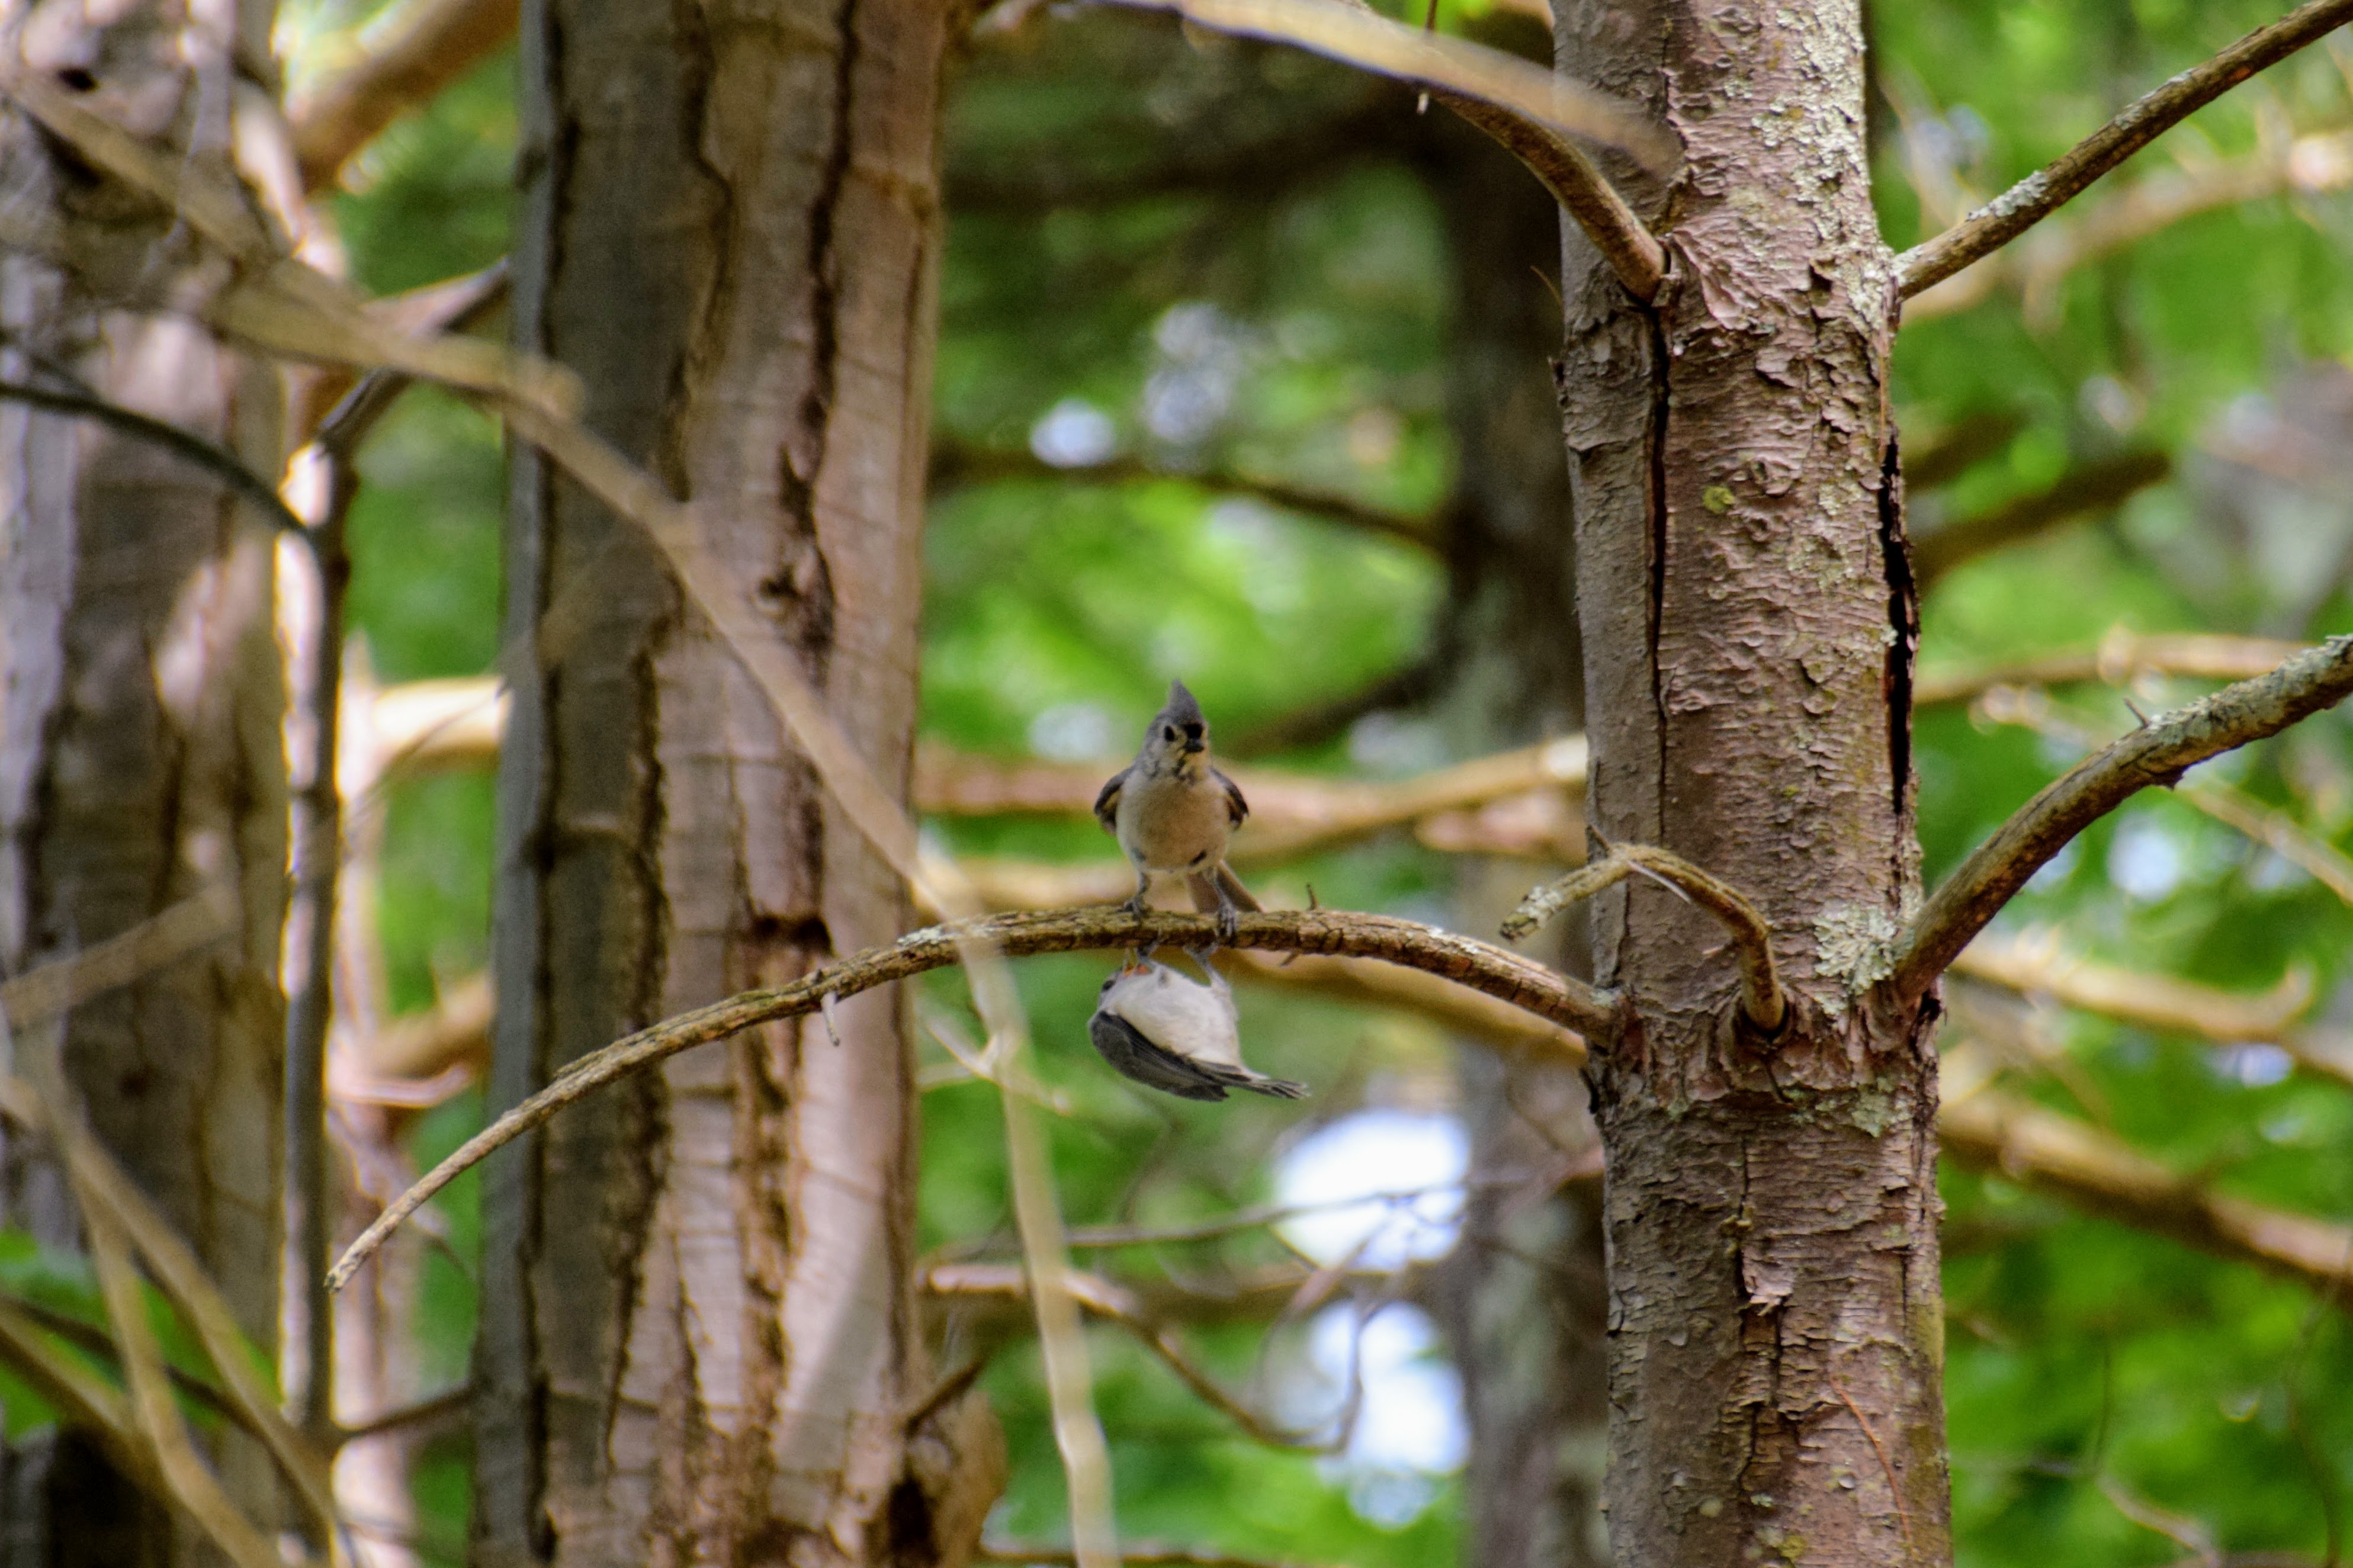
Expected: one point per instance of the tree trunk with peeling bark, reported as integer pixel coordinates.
(700, 1340)
(1775, 1318)
(141, 696)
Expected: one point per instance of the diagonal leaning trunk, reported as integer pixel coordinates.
(699, 1339)
(1775, 1318)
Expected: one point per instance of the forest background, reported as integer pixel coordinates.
(1238, 363)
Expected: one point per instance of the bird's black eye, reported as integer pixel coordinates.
(1166, 733)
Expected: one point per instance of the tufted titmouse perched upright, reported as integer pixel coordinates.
(1172, 812)
(1170, 1032)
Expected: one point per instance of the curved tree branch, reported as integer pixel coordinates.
(1461, 959)
(2155, 754)
(1358, 35)
(1761, 999)
(2040, 195)
(432, 43)
(1633, 252)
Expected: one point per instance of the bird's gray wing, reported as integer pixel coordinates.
(1132, 1055)
(1107, 800)
(1237, 808)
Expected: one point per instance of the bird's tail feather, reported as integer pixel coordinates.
(1205, 885)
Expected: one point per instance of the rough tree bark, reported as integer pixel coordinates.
(1775, 1320)
(700, 1340)
(139, 703)
(1521, 1296)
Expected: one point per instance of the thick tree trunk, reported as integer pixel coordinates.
(140, 755)
(1774, 1320)
(1521, 1296)
(699, 1340)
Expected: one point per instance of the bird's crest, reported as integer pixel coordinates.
(1182, 709)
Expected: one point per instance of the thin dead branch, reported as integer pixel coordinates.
(2158, 753)
(430, 45)
(182, 930)
(2159, 1001)
(957, 467)
(106, 1193)
(84, 1400)
(2122, 659)
(1632, 251)
(186, 1479)
(1115, 1302)
(2040, 195)
(2306, 166)
(1761, 999)
(1145, 1556)
(1461, 960)
(2080, 492)
(219, 462)
(1363, 39)
(2036, 967)
(1993, 1131)
(2278, 831)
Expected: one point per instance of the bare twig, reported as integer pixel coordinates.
(425, 1412)
(186, 928)
(2154, 754)
(219, 462)
(2040, 195)
(1010, 1552)
(1632, 251)
(85, 1400)
(954, 467)
(277, 304)
(1114, 1302)
(93, 1339)
(2094, 488)
(328, 469)
(1371, 42)
(991, 1298)
(2310, 164)
(1989, 1130)
(106, 1193)
(2191, 1535)
(1490, 970)
(2038, 968)
(430, 45)
(185, 1476)
(2122, 657)
(1761, 1000)
(2278, 832)
(316, 683)
(2159, 1001)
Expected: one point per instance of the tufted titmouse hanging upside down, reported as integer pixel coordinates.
(1170, 1032)
(1172, 812)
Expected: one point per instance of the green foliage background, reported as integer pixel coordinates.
(1104, 173)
